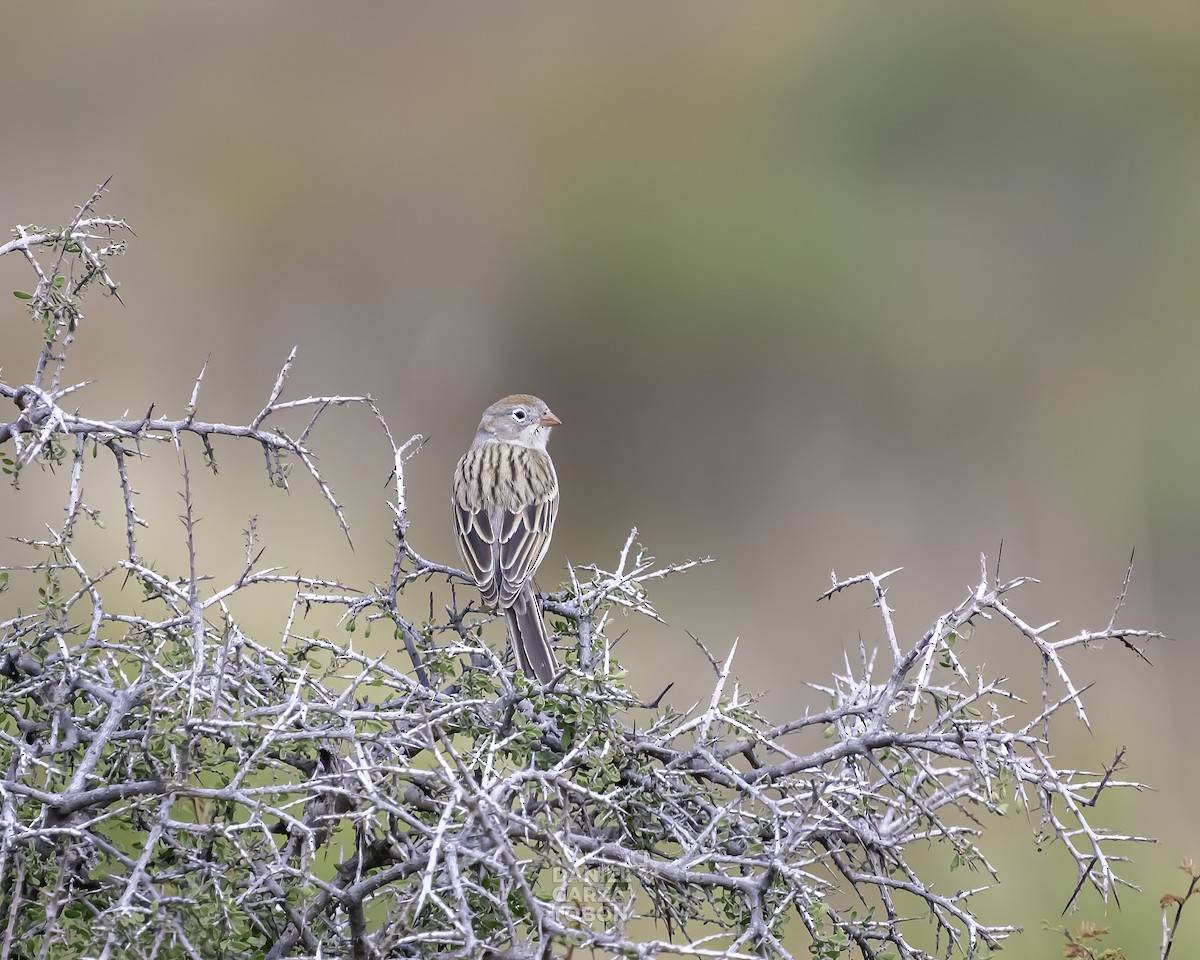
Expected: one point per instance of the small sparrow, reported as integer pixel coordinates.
(505, 499)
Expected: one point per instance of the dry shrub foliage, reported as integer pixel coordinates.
(175, 787)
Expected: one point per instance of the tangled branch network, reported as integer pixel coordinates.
(172, 785)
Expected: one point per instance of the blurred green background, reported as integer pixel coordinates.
(814, 286)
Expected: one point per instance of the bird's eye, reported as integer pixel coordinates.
(519, 415)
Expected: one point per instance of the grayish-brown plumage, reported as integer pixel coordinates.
(505, 499)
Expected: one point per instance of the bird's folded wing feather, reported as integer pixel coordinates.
(524, 539)
(478, 548)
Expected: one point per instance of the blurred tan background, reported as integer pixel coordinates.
(825, 286)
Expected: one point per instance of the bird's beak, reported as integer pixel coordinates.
(549, 420)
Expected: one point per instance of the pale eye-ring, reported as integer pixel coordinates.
(519, 415)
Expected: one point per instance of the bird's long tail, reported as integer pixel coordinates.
(527, 634)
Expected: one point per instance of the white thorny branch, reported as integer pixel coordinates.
(164, 765)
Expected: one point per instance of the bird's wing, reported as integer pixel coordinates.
(523, 541)
(477, 543)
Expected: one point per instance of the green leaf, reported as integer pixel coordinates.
(22, 295)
